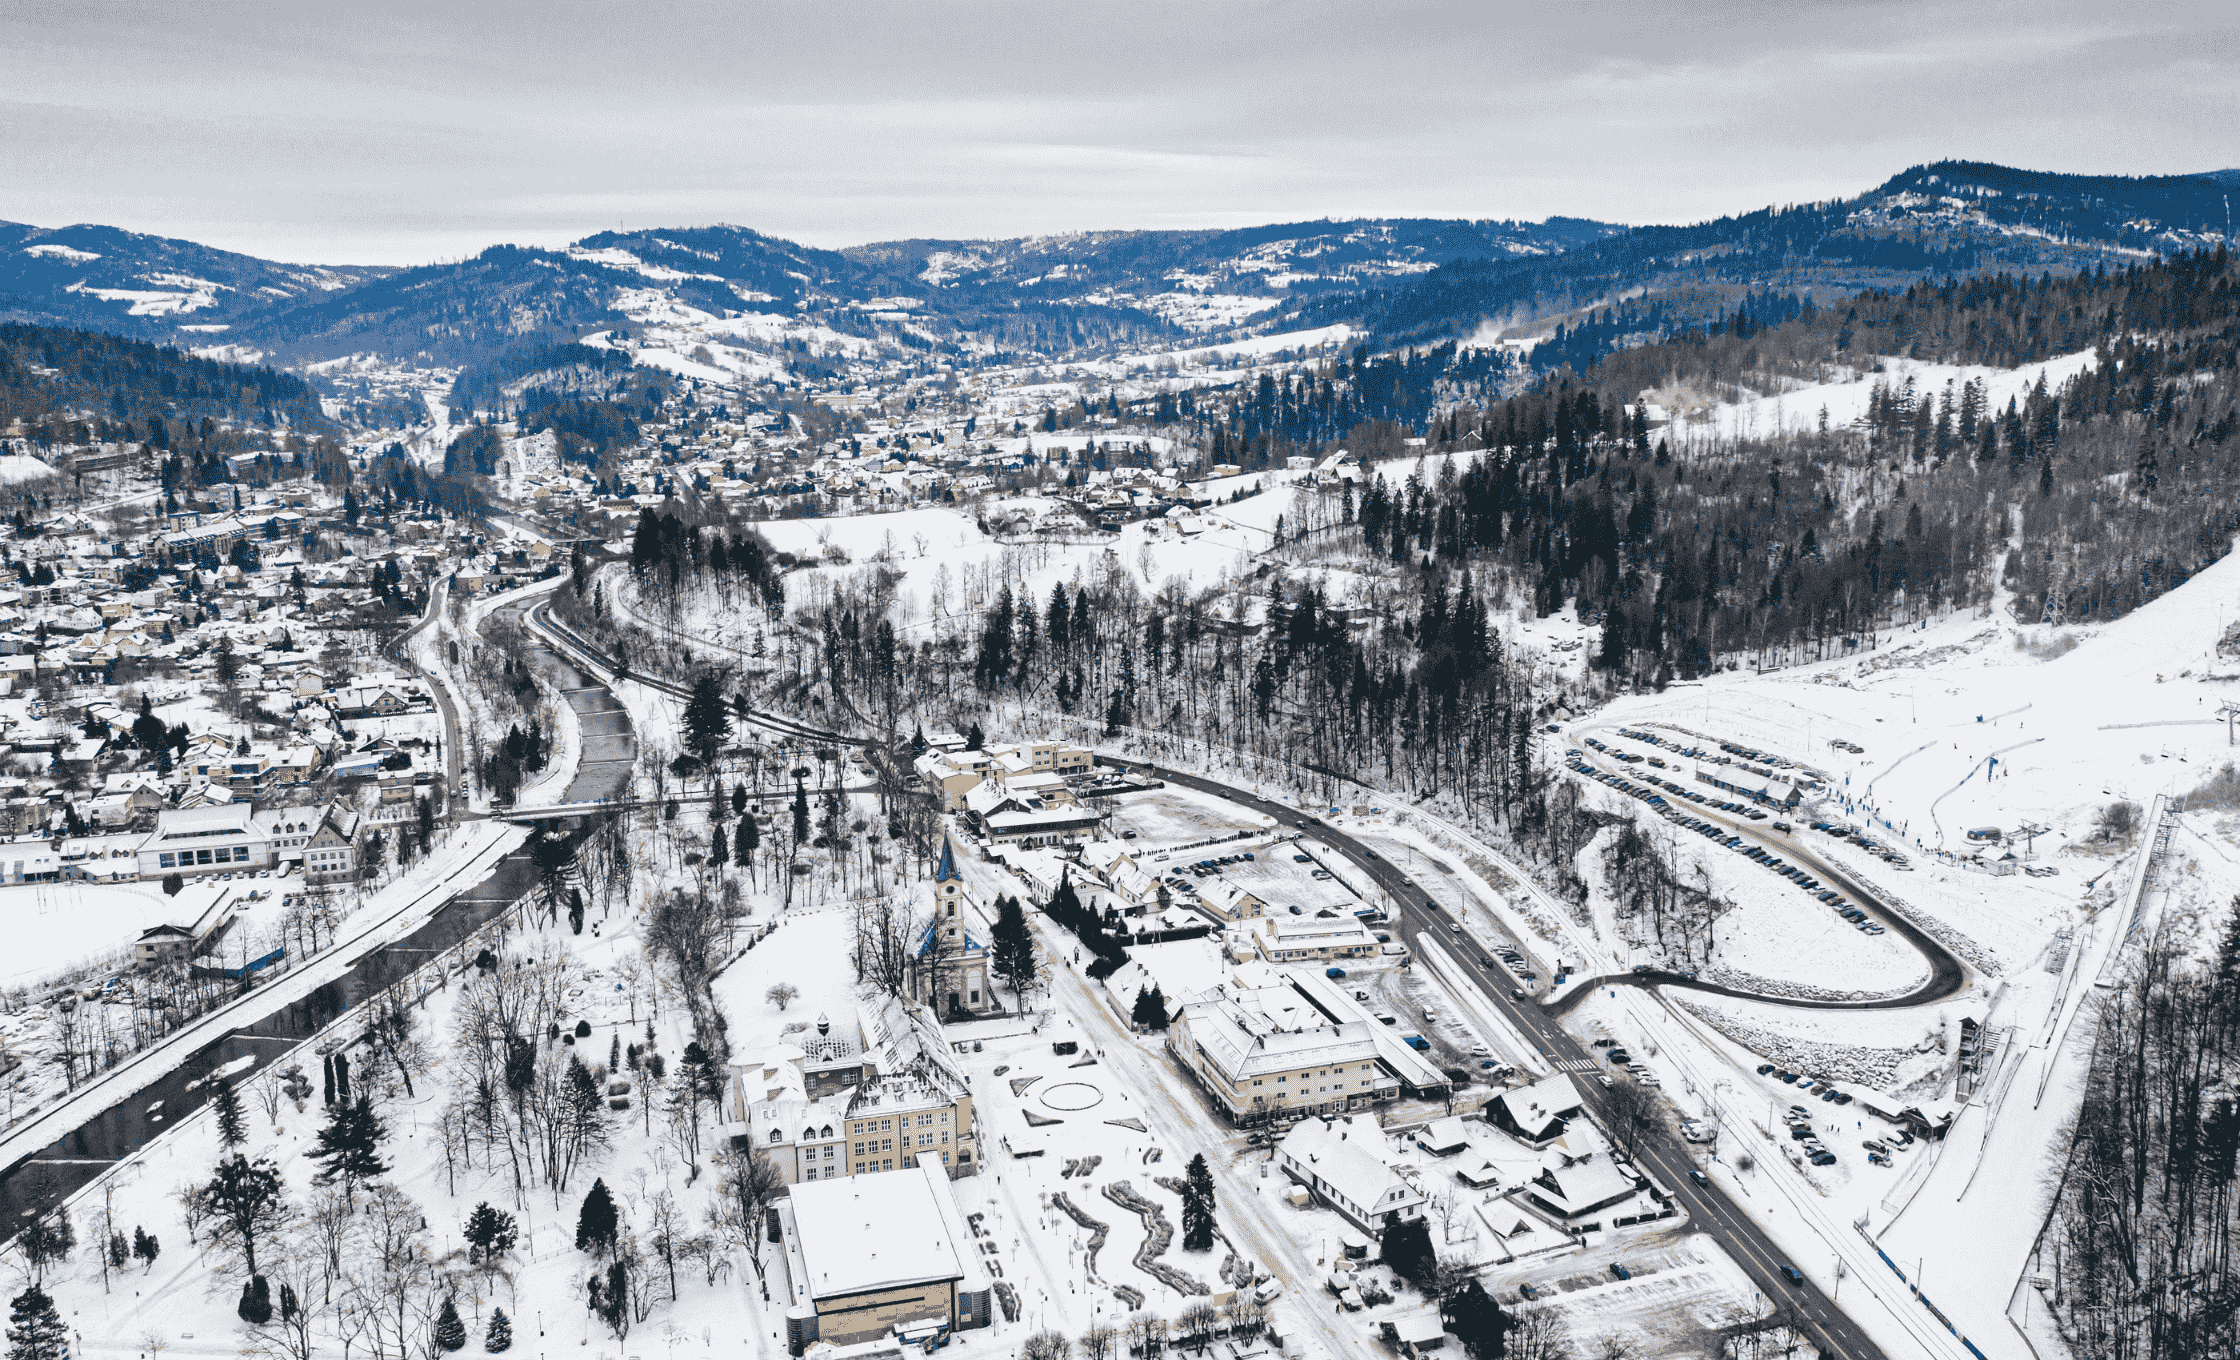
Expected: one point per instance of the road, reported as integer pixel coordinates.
(1726, 1221)
(1948, 976)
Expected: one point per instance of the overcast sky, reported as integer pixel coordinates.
(388, 131)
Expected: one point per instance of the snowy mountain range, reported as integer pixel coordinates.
(1401, 279)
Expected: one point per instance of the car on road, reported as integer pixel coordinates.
(1765, 1069)
(1516, 993)
(1334, 972)
(1698, 1177)
(1795, 1276)
(1620, 1271)
(1526, 1289)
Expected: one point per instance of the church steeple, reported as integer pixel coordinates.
(947, 872)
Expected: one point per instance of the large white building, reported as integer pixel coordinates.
(870, 1257)
(222, 838)
(1267, 1053)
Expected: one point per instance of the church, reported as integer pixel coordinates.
(949, 965)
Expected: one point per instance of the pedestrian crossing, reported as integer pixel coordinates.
(1578, 1065)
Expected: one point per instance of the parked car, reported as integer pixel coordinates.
(1620, 1271)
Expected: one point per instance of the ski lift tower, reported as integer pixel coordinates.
(2228, 710)
(2029, 831)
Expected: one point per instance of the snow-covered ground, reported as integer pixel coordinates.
(1845, 403)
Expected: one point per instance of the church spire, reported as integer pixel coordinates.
(947, 872)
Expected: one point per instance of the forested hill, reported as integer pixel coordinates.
(67, 386)
(2120, 479)
(1952, 218)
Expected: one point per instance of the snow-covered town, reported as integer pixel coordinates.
(1331, 791)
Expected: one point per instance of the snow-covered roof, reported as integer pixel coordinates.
(867, 1233)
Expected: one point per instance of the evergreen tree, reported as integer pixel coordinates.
(745, 841)
(1014, 945)
(1197, 1205)
(145, 1247)
(1151, 1008)
(707, 720)
(225, 1102)
(500, 1335)
(243, 1204)
(1407, 1249)
(597, 1225)
(349, 1147)
(450, 1332)
(490, 1234)
(719, 847)
(800, 813)
(255, 1307)
(1477, 1321)
(35, 1330)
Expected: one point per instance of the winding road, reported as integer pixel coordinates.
(1948, 976)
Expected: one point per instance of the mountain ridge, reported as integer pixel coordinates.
(1402, 280)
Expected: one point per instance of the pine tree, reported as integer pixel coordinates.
(744, 842)
(226, 1103)
(707, 720)
(719, 847)
(500, 1335)
(1477, 1321)
(349, 1147)
(35, 1330)
(490, 1234)
(1014, 945)
(1151, 1008)
(145, 1247)
(450, 1332)
(1197, 1206)
(597, 1225)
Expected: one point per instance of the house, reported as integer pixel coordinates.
(867, 1257)
(1579, 1178)
(161, 944)
(369, 701)
(947, 779)
(1341, 1163)
(1228, 903)
(1538, 1114)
